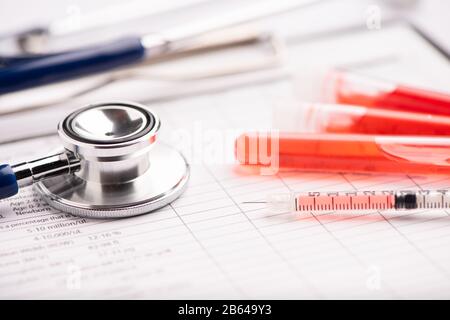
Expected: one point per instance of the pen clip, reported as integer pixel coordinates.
(214, 42)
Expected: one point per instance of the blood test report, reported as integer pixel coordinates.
(212, 242)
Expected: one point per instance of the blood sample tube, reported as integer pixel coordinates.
(345, 152)
(334, 118)
(356, 89)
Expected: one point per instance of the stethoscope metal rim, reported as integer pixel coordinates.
(151, 117)
(114, 211)
(118, 149)
(164, 180)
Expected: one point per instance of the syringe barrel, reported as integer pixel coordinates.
(423, 199)
(359, 200)
(347, 201)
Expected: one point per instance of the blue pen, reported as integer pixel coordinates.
(23, 72)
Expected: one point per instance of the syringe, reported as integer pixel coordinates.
(358, 200)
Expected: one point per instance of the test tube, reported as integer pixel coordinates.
(334, 118)
(344, 152)
(352, 88)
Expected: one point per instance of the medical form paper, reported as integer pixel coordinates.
(208, 244)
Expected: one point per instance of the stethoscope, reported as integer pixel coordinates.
(111, 165)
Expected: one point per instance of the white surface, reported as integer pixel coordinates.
(208, 244)
(431, 15)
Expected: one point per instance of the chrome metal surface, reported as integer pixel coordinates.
(30, 172)
(108, 123)
(109, 130)
(122, 172)
(164, 181)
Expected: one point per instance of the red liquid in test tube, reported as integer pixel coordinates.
(356, 89)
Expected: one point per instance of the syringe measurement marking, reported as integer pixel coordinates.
(347, 202)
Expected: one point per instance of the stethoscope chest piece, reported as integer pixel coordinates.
(119, 169)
